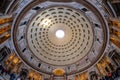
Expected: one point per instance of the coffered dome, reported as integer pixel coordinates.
(44, 35)
(55, 35)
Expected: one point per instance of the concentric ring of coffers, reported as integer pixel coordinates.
(34, 42)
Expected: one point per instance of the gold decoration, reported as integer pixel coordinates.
(59, 72)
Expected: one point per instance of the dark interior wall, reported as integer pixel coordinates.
(116, 7)
(3, 5)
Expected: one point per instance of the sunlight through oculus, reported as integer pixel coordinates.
(60, 34)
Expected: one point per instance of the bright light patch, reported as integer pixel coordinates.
(60, 34)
